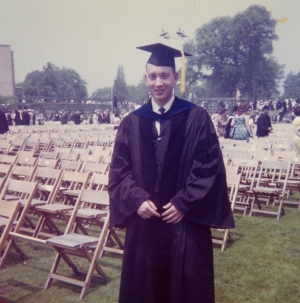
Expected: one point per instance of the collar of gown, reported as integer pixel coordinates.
(167, 106)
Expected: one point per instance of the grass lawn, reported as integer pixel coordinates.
(262, 265)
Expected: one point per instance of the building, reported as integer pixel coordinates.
(7, 73)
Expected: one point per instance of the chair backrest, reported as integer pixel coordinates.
(90, 158)
(5, 170)
(68, 156)
(98, 168)
(46, 163)
(4, 147)
(95, 197)
(25, 188)
(75, 179)
(98, 182)
(24, 173)
(7, 159)
(48, 155)
(274, 172)
(70, 165)
(26, 161)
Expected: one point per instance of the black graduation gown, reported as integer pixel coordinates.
(25, 118)
(3, 123)
(193, 178)
(263, 123)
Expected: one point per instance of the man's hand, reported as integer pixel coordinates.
(171, 215)
(147, 210)
(269, 128)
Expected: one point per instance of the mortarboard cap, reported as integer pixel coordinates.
(162, 55)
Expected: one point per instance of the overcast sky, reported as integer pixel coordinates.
(95, 36)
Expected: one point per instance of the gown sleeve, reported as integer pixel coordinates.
(125, 195)
(203, 198)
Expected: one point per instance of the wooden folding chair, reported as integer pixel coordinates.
(271, 186)
(74, 244)
(25, 190)
(67, 190)
(233, 181)
(99, 183)
(46, 163)
(8, 215)
(48, 180)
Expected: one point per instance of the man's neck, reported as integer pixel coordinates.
(161, 103)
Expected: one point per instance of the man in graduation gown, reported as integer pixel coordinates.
(167, 186)
(3, 123)
(25, 117)
(264, 123)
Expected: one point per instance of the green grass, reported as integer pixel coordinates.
(262, 265)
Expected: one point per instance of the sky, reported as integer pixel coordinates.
(94, 37)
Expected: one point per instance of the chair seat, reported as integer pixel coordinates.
(47, 188)
(72, 192)
(90, 213)
(34, 202)
(54, 208)
(11, 197)
(72, 240)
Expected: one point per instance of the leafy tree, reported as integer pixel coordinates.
(235, 53)
(120, 87)
(102, 93)
(292, 85)
(55, 82)
(138, 93)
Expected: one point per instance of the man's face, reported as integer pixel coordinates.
(160, 81)
(266, 111)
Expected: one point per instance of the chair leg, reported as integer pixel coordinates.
(52, 271)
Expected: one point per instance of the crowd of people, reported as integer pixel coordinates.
(97, 117)
(245, 122)
(26, 117)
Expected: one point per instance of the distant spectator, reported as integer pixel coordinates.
(264, 126)
(41, 118)
(76, 118)
(9, 118)
(3, 123)
(221, 123)
(240, 128)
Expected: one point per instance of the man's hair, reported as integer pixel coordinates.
(173, 69)
(223, 111)
(265, 107)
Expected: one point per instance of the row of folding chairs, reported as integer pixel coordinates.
(51, 198)
(261, 187)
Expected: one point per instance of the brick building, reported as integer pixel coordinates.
(7, 73)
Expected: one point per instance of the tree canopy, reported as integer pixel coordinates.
(52, 81)
(292, 85)
(231, 53)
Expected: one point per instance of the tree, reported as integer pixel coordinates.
(52, 81)
(138, 93)
(120, 87)
(235, 53)
(292, 85)
(102, 93)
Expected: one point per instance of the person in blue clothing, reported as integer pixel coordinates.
(240, 127)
